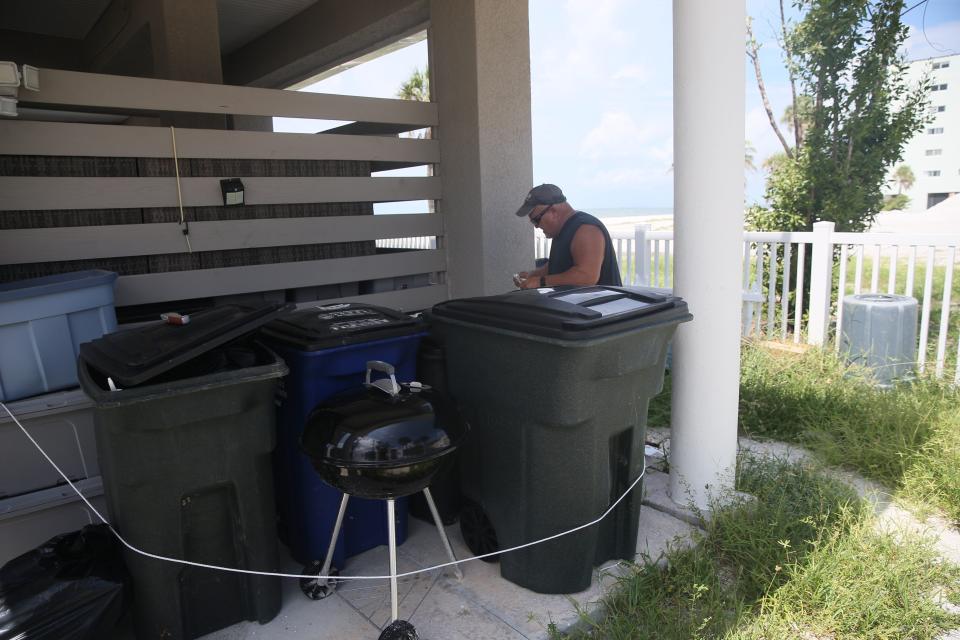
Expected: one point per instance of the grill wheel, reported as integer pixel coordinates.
(317, 589)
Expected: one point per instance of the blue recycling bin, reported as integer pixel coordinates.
(327, 350)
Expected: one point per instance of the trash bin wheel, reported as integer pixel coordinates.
(399, 630)
(316, 588)
(478, 531)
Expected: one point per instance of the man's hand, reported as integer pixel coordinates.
(532, 282)
(519, 278)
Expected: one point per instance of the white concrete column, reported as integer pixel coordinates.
(480, 79)
(708, 125)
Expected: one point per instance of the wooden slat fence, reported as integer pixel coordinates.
(77, 195)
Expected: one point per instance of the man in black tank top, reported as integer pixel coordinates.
(582, 252)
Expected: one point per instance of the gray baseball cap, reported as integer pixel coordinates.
(543, 194)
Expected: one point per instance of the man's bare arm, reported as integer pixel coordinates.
(587, 249)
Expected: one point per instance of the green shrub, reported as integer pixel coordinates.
(895, 202)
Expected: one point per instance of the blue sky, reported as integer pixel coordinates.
(602, 92)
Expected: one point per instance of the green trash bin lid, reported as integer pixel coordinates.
(134, 356)
(568, 312)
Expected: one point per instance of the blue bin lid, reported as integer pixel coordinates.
(339, 325)
(33, 287)
(569, 312)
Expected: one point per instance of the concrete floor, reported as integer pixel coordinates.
(482, 606)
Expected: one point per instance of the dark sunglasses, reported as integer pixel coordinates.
(536, 221)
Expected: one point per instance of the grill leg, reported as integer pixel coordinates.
(442, 532)
(328, 561)
(317, 588)
(392, 532)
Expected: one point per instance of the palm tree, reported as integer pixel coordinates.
(904, 178)
(417, 87)
(800, 116)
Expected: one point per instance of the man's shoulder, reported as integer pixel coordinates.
(585, 219)
(589, 231)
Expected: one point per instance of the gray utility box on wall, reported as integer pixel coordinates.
(879, 331)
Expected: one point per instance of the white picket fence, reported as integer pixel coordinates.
(420, 242)
(769, 309)
(770, 312)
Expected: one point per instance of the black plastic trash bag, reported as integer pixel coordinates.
(70, 588)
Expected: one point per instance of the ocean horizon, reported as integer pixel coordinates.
(629, 212)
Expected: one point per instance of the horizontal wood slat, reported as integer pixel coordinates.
(407, 300)
(103, 140)
(30, 193)
(184, 285)
(75, 88)
(23, 246)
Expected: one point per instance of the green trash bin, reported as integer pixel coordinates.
(185, 446)
(555, 383)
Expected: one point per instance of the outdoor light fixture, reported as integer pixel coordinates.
(232, 189)
(10, 85)
(31, 78)
(9, 76)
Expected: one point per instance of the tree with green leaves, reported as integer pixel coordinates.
(416, 87)
(904, 178)
(851, 114)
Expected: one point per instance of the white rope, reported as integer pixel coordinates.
(176, 169)
(318, 577)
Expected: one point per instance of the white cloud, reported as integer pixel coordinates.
(630, 176)
(617, 135)
(595, 35)
(636, 72)
(940, 40)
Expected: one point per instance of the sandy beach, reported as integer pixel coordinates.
(623, 226)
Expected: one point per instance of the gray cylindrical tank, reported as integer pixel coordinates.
(879, 331)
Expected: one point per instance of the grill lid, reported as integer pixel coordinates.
(382, 425)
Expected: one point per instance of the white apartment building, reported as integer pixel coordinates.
(934, 153)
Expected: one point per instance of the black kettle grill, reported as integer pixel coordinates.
(383, 441)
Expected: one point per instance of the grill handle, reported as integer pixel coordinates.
(387, 385)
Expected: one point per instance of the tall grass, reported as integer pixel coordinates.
(907, 438)
(805, 559)
(802, 561)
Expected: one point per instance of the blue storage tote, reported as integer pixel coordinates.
(42, 323)
(327, 349)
